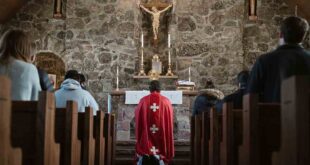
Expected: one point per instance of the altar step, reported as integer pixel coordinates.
(125, 152)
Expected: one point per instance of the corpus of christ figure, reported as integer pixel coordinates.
(156, 16)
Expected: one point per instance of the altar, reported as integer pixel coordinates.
(125, 121)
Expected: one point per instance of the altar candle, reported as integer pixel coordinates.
(169, 57)
(169, 40)
(142, 40)
(117, 74)
(189, 74)
(109, 103)
(142, 57)
(296, 10)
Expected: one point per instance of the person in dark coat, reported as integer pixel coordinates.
(207, 98)
(45, 82)
(237, 97)
(287, 60)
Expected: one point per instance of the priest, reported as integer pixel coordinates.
(154, 128)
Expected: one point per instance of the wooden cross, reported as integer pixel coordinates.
(156, 3)
(253, 10)
(58, 9)
(154, 107)
(154, 150)
(154, 128)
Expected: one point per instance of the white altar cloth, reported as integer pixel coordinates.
(133, 97)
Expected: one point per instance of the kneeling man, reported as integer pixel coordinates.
(154, 128)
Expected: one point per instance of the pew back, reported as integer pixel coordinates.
(66, 134)
(86, 135)
(8, 154)
(261, 131)
(99, 136)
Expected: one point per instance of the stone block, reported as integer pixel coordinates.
(186, 24)
(122, 135)
(184, 134)
(123, 125)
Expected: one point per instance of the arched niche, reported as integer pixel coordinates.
(52, 64)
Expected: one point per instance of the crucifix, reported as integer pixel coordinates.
(57, 9)
(154, 107)
(253, 10)
(155, 8)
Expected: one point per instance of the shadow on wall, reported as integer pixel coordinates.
(52, 64)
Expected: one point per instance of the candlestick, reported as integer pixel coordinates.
(169, 72)
(117, 80)
(141, 73)
(142, 40)
(169, 40)
(189, 74)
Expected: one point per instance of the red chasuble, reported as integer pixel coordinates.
(154, 127)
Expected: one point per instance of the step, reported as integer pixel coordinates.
(131, 152)
(127, 161)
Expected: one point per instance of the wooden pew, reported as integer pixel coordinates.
(113, 136)
(86, 135)
(108, 138)
(197, 140)
(32, 129)
(214, 140)
(99, 138)
(205, 136)
(8, 154)
(295, 122)
(66, 133)
(192, 140)
(261, 131)
(231, 135)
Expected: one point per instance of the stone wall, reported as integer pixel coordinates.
(214, 37)
(262, 36)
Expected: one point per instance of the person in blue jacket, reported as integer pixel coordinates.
(71, 89)
(16, 57)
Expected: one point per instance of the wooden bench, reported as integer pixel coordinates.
(109, 135)
(8, 154)
(295, 122)
(231, 137)
(32, 129)
(99, 138)
(261, 131)
(66, 133)
(205, 136)
(214, 139)
(197, 140)
(86, 135)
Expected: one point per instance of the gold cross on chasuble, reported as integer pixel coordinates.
(156, 3)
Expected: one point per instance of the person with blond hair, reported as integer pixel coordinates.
(16, 58)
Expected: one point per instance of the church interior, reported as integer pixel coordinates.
(120, 46)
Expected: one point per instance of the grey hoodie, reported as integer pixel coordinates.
(71, 90)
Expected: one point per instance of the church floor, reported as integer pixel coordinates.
(125, 151)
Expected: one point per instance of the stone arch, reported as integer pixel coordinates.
(52, 64)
